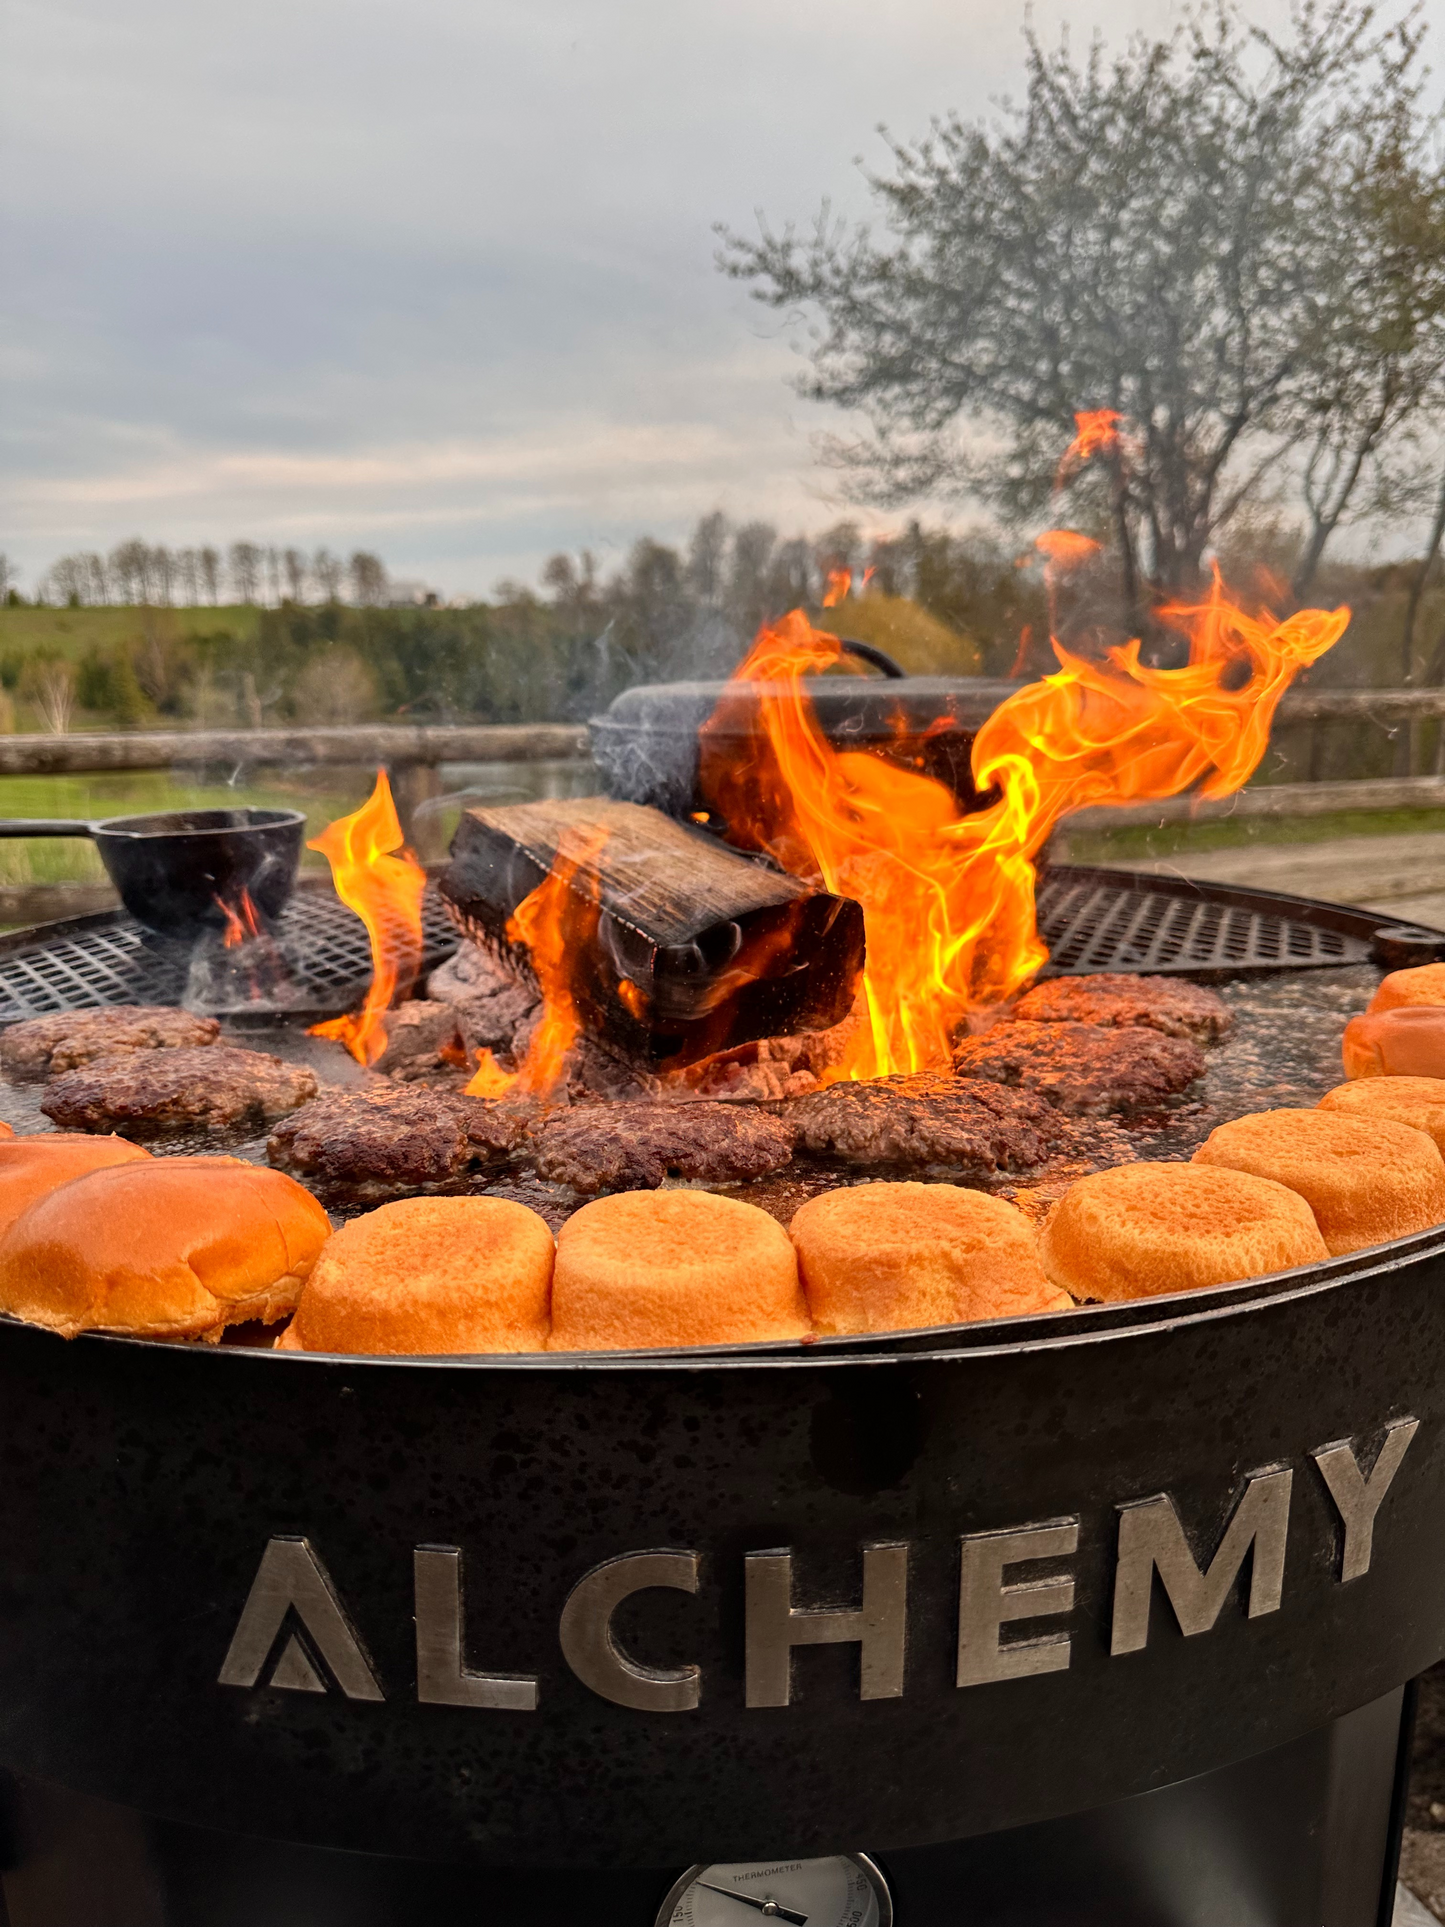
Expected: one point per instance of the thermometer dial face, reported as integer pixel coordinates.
(843, 1890)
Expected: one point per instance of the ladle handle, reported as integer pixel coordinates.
(44, 826)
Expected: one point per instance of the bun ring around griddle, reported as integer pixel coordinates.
(1367, 1179)
(1417, 1101)
(643, 1269)
(162, 1248)
(1425, 984)
(1140, 1230)
(1408, 1041)
(428, 1275)
(887, 1257)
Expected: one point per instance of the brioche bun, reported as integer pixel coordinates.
(1425, 984)
(1366, 1179)
(163, 1248)
(1408, 1041)
(429, 1275)
(886, 1257)
(1139, 1230)
(1417, 1101)
(650, 1268)
(31, 1166)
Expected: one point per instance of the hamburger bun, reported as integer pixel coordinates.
(1139, 1230)
(1417, 1101)
(1366, 1179)
(429, 1275)
(650, 1268)
(1425, 984)
(163, 1248)
(885, 1257)
(31, 1166)
(1408, 1041)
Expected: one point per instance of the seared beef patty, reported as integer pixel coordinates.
(1170, 1004)
(1085, 1069)
(913, 1123)
(633, 1147)
(383, 1140)
(159, 1090)
(46, 1046)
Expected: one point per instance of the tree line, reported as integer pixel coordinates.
(140, 572)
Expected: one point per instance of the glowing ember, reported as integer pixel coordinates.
(382, 882)
(553, 924)
(948, 901)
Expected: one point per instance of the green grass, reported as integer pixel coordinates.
(1140, 841)
(71, 632)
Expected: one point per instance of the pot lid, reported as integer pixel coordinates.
(845, 705)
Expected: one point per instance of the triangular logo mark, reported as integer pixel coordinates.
(294, 1672)
(292, 1579)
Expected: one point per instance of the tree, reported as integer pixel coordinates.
(1181, 235)
(296, 572)
(328, 571)
(188, 568)
(368, 578)
(9, 576)
(130, 568)
(210, 566)
(245, 560)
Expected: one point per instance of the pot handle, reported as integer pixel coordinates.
(44, 826)
(879, 658)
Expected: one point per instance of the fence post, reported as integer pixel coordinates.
(413, 785)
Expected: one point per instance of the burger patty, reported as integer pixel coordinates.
(383, 1140)
(962, 1124)
(634, 1147)
(1084, 1069)
(159, 1090)
(1170, 1004)
(47, 1046)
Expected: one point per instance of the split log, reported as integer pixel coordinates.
(681, 947)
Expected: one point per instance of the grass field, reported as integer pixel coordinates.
(1135, 843)
(71, 632)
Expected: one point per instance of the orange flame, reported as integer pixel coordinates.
(1096, 432)
(241, 922)
(553, 923)
(382, 882)
(948, 901)
(1066, 548)
(840, 585)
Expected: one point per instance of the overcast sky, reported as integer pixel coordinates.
(435, 277)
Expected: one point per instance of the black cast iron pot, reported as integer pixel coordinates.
(179, 871)
(673, 1607)
(646, 741)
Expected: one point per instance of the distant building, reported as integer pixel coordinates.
(411, 595)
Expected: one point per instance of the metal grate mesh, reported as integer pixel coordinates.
(108, 959)
(1094, 924)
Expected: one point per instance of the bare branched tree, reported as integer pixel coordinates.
(368, 578)
(210, 566)
(328, 571)
(245, 564)
(296, 573)
(1169, 234)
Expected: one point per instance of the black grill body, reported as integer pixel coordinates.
(1246, 1770)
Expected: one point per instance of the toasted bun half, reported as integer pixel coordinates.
(163, 1248)
(1423, 985)
(886, 1257)
(1417, 1101)
(1408, 1041)
(1139, 1230)
(31, 1166)
(429, 1275)
(1366, 1179)
(653, 1268)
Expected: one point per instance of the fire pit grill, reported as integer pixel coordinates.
(85, 962)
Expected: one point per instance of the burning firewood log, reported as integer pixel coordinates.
(679, 947)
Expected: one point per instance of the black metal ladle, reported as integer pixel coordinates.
(180, 871)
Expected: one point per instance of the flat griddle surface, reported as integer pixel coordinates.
(1283, 1050)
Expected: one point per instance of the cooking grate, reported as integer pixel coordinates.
(1099, 920)
(108, 959)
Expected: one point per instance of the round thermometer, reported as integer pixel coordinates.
(844, 1890)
